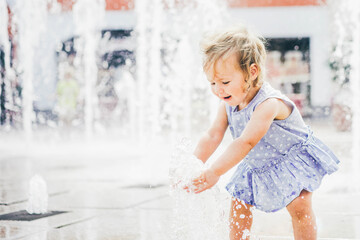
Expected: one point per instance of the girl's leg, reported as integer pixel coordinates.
(303, 218)
(240, 220)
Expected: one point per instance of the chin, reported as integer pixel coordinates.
(231, 104)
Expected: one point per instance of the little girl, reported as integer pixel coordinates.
(279, 161)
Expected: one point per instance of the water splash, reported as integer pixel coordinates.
(346, 64)
(168, 65)
(355, 86)
(195, 216)
(9, 73)
(30, 17)
(88, 18)
(38, 196)
(148, 61)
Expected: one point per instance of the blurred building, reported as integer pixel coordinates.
(298, 33)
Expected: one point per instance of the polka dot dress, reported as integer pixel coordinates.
(285, 161)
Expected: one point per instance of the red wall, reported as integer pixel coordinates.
(110, 4)
(274, 3)
(129, 4)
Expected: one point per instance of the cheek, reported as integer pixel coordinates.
(240, 88)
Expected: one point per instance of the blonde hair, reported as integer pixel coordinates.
(248, 47)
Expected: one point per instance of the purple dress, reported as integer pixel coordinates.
(285, 161)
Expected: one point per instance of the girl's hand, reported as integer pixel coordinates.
(205, 181)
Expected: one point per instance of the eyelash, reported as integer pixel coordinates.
(222, 83)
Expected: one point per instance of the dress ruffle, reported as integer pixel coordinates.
(276, 184)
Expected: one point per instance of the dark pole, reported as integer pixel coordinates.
(2, 90)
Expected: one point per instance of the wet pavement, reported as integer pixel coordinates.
(116, 190)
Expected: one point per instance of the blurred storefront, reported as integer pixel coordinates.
(297, 32)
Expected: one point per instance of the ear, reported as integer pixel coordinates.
(254, 71)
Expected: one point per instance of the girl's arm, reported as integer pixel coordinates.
(256, 128)
(213, 137)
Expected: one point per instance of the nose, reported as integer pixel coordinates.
(218, 89)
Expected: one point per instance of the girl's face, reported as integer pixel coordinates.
(228, 81)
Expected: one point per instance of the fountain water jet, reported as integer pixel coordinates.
(88, 17)
(168, 66)
(355, 86)
(187, 98)
(9, 73)
(148, 61)
(30, 18)
(195, 216)
(346, 32)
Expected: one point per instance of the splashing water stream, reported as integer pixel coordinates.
(30, 17)
(148, 60)
(88, 17)
(347, 39)
(355, 77)
(9, 73)
(195, 216)
(168, 63)
(38, 196)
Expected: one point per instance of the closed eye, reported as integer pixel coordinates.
(226, 82)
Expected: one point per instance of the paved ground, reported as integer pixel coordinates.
(114, 190)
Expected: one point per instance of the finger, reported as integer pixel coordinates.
(197, 184)
(198, 181)
(187, 186)
(204, 187)
(175, 184)
(199, 190)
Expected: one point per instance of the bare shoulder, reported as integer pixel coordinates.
(276, 106)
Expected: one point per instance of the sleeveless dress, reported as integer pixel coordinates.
(285, 161)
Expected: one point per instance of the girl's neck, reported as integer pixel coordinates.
(249, 96)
